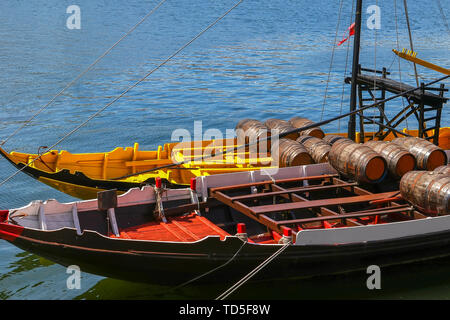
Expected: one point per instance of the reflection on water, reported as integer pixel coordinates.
(421, 280)
(267, 59)
(26, 262)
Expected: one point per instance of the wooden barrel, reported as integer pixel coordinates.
(332, 138)
(317, 148)
(282, 126)
(428, 191)
(357, 161)
(298, 122)
(251, 130)
(292, 153)
(428, 156)
(399, 160)
(443, 169)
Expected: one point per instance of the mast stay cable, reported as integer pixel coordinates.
(410, 39)
(331, 60)
(126, 91)
(443, 15)
(292, 131)
(399, 66)
(83, 73)
(345, 69)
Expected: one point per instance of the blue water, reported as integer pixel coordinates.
(268, 58)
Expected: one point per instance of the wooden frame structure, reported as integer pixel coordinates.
(424, 105)
(248, 199)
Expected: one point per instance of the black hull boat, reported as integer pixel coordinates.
(170, 236)
(169, 263)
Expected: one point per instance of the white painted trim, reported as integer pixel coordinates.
(388, 231)
(76, 221)
(41, 214)
(113, 222)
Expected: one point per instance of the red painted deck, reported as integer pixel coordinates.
(185, 229)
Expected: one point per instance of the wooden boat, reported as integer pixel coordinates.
(233, 217)
(234, 221)
(83, 175)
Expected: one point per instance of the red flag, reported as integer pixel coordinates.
(351, 32)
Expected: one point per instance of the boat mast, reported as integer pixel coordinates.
(355, 70)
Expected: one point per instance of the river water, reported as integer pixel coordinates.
(267, 58)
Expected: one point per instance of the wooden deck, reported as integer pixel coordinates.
(186, 228)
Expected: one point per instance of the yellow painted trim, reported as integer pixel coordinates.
(123, 161)
(411, 56)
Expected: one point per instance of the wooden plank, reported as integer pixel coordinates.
(367, 213)
(261, 183)
(399, 87)
(323, 211)
(291, 190)
(353, 189)
(263, 219)
(320, 203)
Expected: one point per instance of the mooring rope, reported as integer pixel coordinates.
(127, 90)
(208, 272)
(252, 273)
(82, 73)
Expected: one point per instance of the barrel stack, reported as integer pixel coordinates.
(429, 191)
(368, 163)
(399, 160)
(428, 156)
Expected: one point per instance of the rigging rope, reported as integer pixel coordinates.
(345, 69)
(317, 124)
(83, 73)
(374, 82)
(127, 90)
(331, 60)
(398, 49)
(410, 39)
(241, 282)
(442, 16)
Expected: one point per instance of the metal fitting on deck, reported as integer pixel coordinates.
(242, 232)
(287, 236)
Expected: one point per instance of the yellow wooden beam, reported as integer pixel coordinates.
(411, 56)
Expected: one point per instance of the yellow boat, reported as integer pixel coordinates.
(82, 175)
